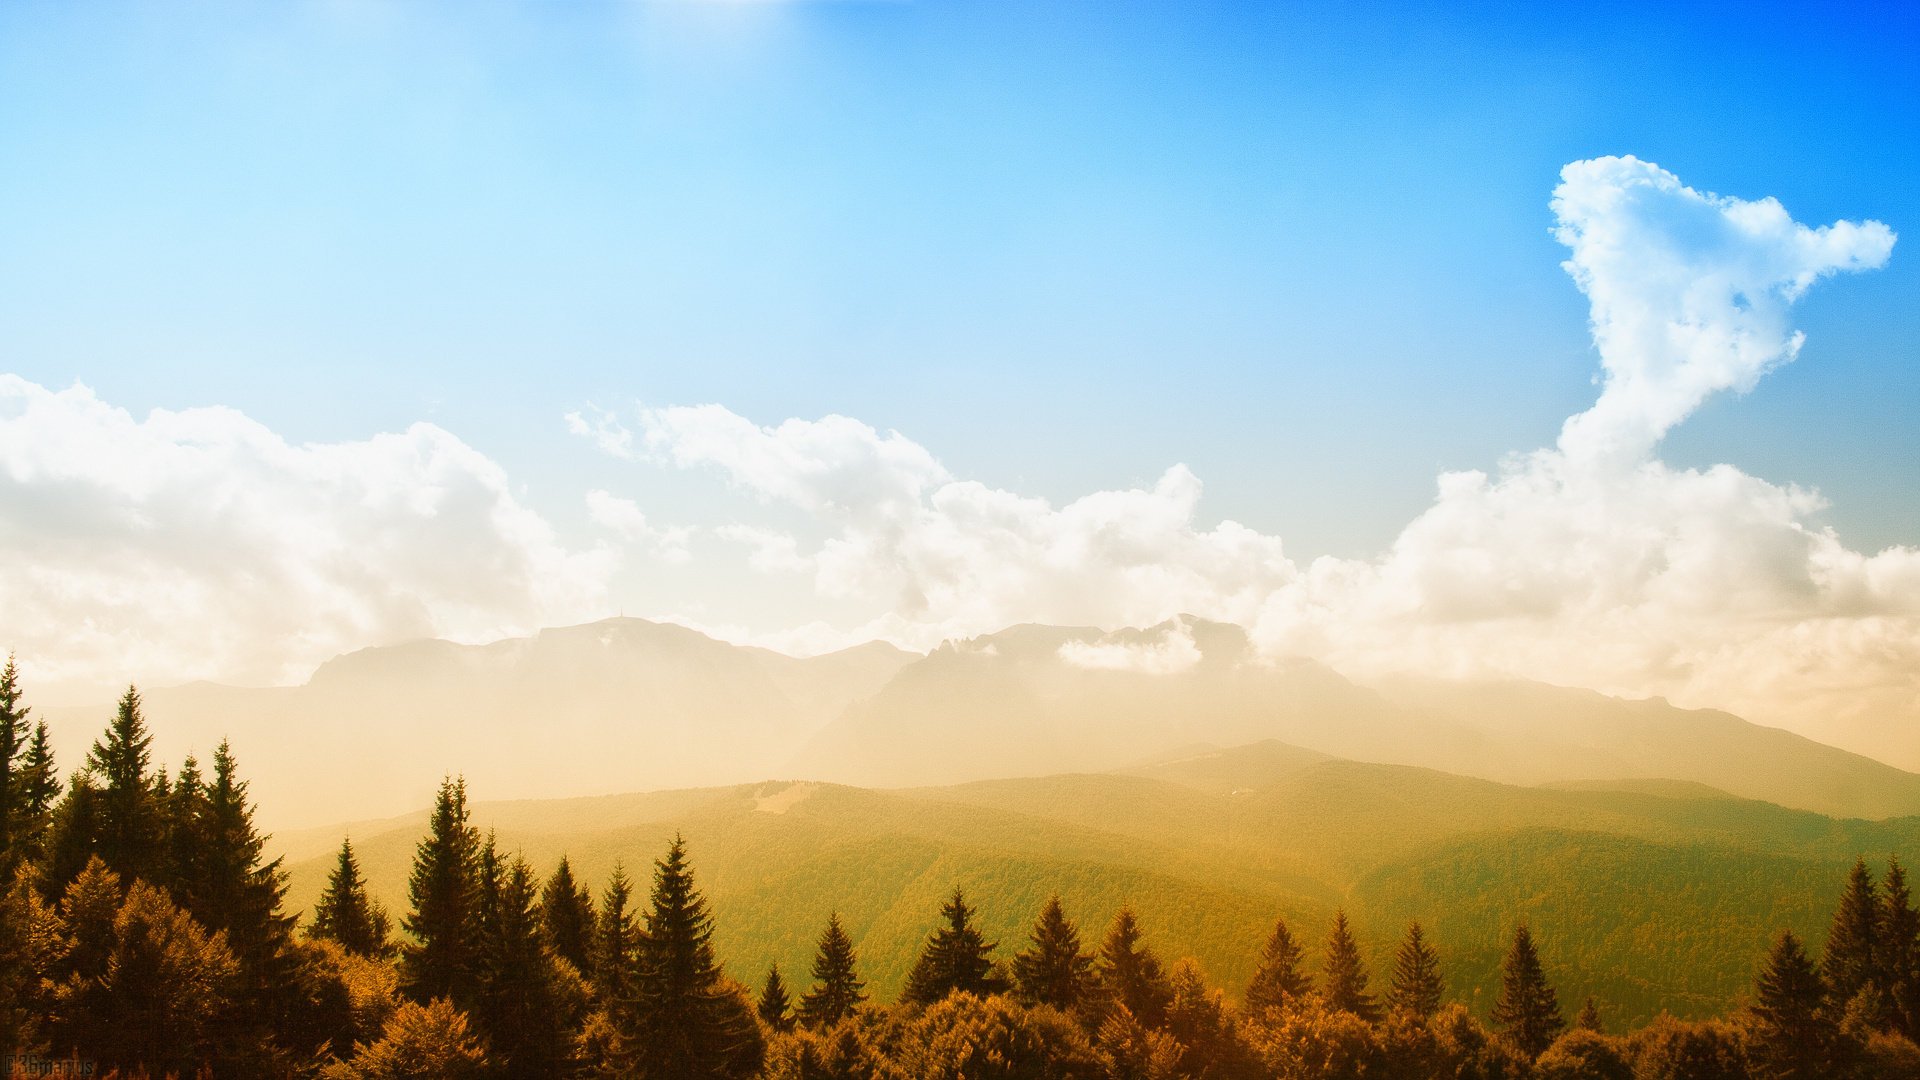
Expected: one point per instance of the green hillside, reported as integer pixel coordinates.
(1650, 900)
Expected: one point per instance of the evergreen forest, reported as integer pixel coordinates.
(145, 931)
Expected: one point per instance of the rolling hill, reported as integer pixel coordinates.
(1648, 899)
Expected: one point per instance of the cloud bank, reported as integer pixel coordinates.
(199, 543)
(1589, 563)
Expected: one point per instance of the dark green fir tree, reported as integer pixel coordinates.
(686, 1020)
(1793, 1032)
(348, 914)
(1346, 973)
(1853, 944)
(775, 1006)
(1417, 986)
(1528, 1012)
(1278, 979)
(566, 915)
(956, 959)
(127, 812)
(1128, 974)
(444, 923)
(837, 991)
(615, 962)
(1053, 970)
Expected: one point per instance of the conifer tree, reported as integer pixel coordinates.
(686, 1020)
(1053, 970)
(187, 825)
(616, 955)
(71, 835)
(1416, 986)
(1128, 974)
(1346, 972)
(955, 959)
(1528, 1012)
(347, 914)
(41, 787)
(837, 989)
(126, 813)
(776, 1007)
(1853, 944)
(1793, 1031)
(443, 888)
(518, 1001)
(1899, 956)
(1278, 980)
(566, 916)
(1589, 1018)
(15, 738)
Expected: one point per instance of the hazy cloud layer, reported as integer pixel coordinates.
(1590, 563)
(200, 544)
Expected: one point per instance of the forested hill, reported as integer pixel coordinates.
(1647, 899)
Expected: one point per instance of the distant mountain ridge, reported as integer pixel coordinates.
(1034, 700)
(629, 704)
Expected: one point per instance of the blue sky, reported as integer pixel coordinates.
(1302, 252)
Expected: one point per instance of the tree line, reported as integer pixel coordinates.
(143, 932)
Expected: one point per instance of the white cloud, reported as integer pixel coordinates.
(624, 518)
(773, 551)
(1174, 652)
(1689, 292)
(1593, 563)
(1588, 563)
(200, 544)
(949, 558)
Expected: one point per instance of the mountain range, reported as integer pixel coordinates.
(628, 705)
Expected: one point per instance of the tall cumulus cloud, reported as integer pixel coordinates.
(1590, 562)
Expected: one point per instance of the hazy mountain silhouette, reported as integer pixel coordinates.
(628, 704)
(1035, 700)
(619, 705)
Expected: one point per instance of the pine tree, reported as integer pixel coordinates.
(616, 953)
(1528, 1013)
(1417, 986)
(187, 824)
(1053, 970)
(518, 1001)
(955, 959)
(15, 738)
(1793, 1031)
(686, 1020)
(40, 781)
(837, 989)
(1899, 957)
(126, 814)
(566, 915)
(1589, 1018)
(1347, 973)
(1854, 943)
(1278, 980)
(72, 835)
(347, 914)
(443, 888)
(775, 1008)
(1129, 975)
